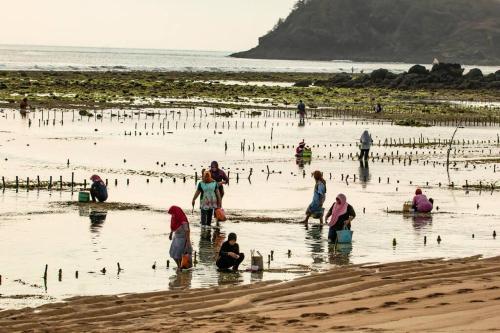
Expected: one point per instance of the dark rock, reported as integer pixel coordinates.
(379, 75)
(474, 74)
(418, 69)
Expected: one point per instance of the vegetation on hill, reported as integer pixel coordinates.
(459, 31)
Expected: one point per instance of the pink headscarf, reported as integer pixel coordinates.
(178, 217)
(96, 178)
(338, 209)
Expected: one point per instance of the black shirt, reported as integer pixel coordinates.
(226, 247)
(342, 218)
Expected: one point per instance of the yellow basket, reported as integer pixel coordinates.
(407, 206)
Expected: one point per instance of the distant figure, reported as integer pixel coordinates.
(366, 143)
(316, 209)
(420, 202)
(302, 112)
(219, 176)
(24, 104)
(342, 215)
(229, 254)
(378, 108)
(209, 200)
(179, 235)
(98, 189)
(300, 148)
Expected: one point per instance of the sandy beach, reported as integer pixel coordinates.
(461, 295)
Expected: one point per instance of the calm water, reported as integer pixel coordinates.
(35, 230)
(92, 59)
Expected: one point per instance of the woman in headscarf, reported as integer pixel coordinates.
(420, 202)
(366, 143)
(209, 200)
(179, 235)
(98, 189)
(341, 214)
(219, 176)
(300, 149)
(316, 209)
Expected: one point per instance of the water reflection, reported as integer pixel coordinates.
(301, 161)
(206, 247)
(229, 278)
(339, 254)
(181, 280)
(314, 240)
(421, 221)
(364, 173)
(97, 219)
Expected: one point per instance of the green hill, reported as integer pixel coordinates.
(413, 31)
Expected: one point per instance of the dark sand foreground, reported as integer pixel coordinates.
(460, 295)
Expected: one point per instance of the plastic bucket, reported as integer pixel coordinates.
(344, 236)
(83, 196)
(257, 264)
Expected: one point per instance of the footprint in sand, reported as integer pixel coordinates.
(464, 291)
(389, 304)
(355, 310)
(315, 315)
(411, 299)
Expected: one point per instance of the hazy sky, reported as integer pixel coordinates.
(166, 24)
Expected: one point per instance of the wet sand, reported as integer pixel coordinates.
(417, 296)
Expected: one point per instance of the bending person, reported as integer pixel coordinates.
(229, 254)
(179, 235)
(420, 202)
(98, 189)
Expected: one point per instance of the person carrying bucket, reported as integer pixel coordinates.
(98, 189)
(210, 198)
(341, 214)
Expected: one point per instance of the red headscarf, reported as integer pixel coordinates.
(178, 218)
(418, 191)
(96, 178)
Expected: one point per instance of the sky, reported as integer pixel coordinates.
(225, 25)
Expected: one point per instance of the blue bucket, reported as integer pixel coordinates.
(344, 236)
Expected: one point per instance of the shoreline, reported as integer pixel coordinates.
(413, 296)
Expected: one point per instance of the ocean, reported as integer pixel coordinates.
(54, 58)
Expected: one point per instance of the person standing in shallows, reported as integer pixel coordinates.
(209, 200)
(98, 189)
(229, 254)
(302, 112)
(179, 235)
(219, 176)
(366, 143)
(342, 214)
(316, 209)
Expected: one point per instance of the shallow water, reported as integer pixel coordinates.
(18, 57)
(35, 230)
